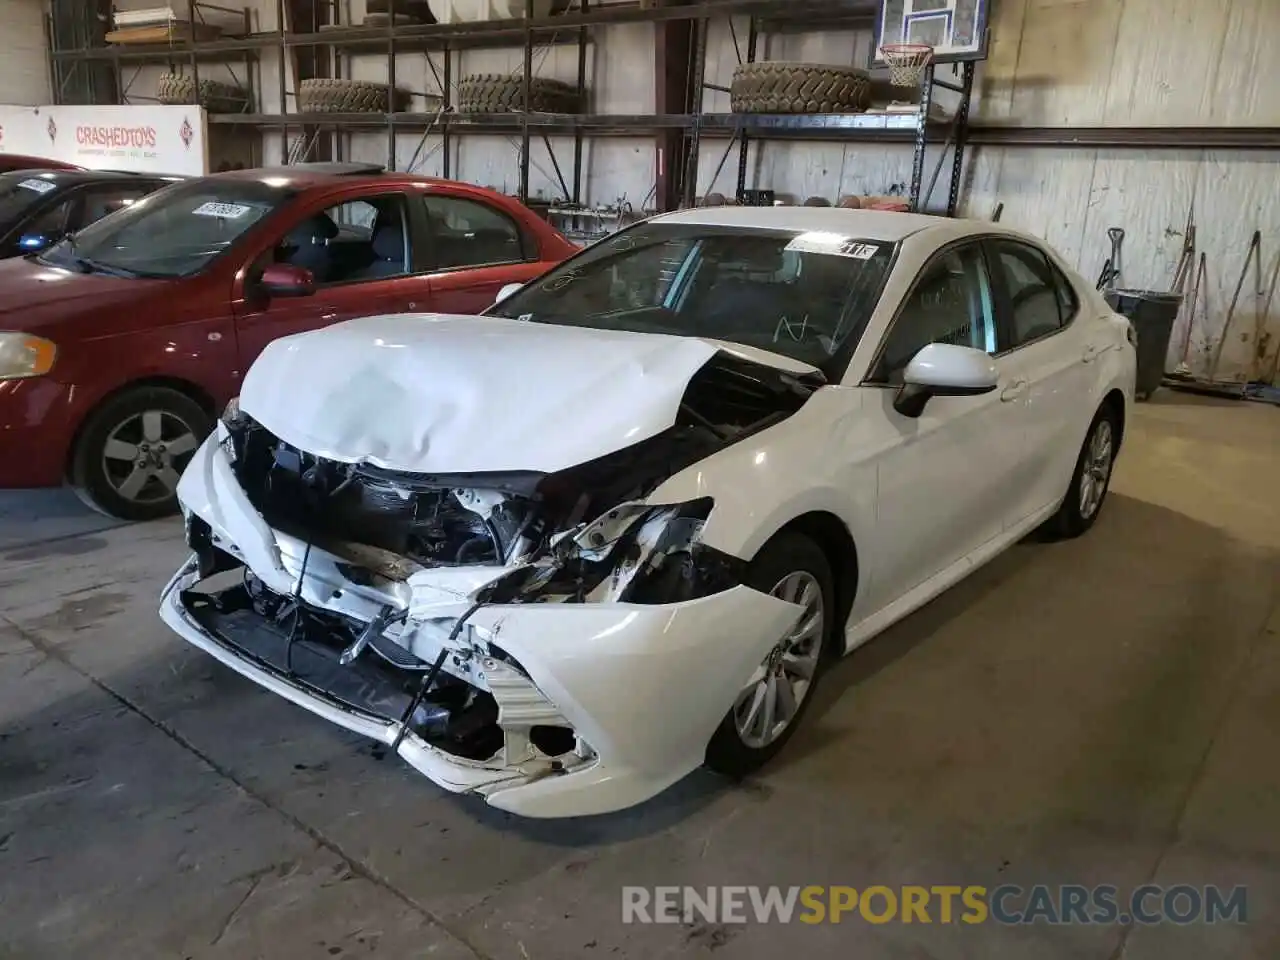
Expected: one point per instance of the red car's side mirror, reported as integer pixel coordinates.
(286, 280)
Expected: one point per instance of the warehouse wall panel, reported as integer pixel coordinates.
(24, 68)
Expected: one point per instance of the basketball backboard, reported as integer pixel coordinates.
(956, 29)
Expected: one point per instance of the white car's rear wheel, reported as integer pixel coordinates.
(773, 699)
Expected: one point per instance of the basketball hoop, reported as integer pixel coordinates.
(906, 62)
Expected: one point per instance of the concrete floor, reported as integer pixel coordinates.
(1101, 711)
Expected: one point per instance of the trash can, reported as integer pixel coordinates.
(1153, 315)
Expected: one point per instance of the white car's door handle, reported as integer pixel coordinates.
(1013, 391)
(1090, 352)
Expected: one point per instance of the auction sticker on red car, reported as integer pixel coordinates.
(228, 211)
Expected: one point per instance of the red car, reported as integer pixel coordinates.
(20, 161)
(119, 346)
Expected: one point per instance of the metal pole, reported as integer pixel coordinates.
(578, 134)
(446, 89)
(917, 166)
(753, 36)
(528, 96)
(962, 136)
(391, 89)
(55, 68)
(195, 61)
(284, 90)
(699, 69)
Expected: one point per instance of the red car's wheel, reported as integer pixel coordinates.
(133, 449)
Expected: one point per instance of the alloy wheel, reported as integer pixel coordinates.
(143, 456)
(771, 699)
(1096, 472)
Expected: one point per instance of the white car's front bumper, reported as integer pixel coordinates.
(643, 687)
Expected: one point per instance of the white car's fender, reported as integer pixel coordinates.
(799, 466)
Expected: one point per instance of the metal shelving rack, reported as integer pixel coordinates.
(176, 55)
(574, 27)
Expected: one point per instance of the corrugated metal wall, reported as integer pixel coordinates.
(24, 68)
(1134, 63)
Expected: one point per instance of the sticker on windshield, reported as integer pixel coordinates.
(227, 211)
(833, 244)
(39, 186)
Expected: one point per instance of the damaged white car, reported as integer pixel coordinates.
(565, 553)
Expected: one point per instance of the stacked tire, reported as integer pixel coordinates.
(781, 87)
(346, 96)
(213, 95)
(504, 93)
(379, 12)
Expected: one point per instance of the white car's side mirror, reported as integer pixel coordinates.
(944, 370)
(507, 291)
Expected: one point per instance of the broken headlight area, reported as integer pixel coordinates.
(498, 717)
(391, 526)
(634, 553)
(391, 523)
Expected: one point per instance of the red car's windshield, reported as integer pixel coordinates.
(175, 232)
(21, 191)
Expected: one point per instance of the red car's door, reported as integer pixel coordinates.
(360, 251)
(475, 249)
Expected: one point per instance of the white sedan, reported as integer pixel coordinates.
(565, 553)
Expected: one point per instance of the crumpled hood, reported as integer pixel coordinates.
(427, 393)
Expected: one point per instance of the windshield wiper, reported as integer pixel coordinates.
(85, 264)
(94, 266)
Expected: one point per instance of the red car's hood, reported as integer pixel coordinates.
(36, 298)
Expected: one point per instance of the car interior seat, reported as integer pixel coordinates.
(746, 294)
(307, 246)
(388, 246)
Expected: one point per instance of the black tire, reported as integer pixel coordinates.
(502, 93)
(785, 554)
(1072, 519)
(213, 95)
(96, 483)
(346, 96)
(780, 87)
(413, 11)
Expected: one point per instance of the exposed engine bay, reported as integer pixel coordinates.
(576, 535)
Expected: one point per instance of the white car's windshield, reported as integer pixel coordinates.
(175, 232)
(807, 296)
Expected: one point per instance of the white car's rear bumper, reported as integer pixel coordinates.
(643, 687)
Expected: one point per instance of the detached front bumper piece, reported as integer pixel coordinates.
(641, 688)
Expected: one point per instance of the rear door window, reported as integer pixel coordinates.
(1040, 301)
(468, 233)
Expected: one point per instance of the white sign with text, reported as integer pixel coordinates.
(147, 139)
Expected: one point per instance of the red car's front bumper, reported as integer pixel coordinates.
(36, 426)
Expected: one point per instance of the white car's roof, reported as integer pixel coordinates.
(885, 225)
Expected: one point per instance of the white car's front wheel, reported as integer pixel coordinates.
(774, 698)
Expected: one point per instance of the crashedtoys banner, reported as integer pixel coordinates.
(152, 139)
